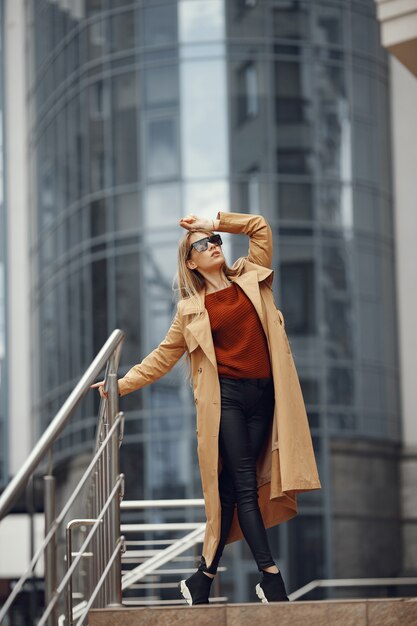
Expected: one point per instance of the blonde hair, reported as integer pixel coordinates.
(189, 282)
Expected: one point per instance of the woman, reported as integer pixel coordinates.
(254, 444)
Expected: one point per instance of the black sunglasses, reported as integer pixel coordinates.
(202, 244)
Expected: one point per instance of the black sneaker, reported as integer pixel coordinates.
(271, 588)
(196, 589)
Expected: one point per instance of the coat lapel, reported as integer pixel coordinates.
(199, 327)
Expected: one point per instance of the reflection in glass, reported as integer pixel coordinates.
(334, 125)
(98, 94)
(162, 148)
(337, 326)
(292, 94)
(291, 22)
(162, 205)
(342, 421)
(370, 345)
(247, 84)
(340, 386)
(204, 145)
(126, 212)
(96, 39)
(364, 156)
(167, 447)
(249, 193)
(329, 25)
(124, 121)
(159, 24)
(122, 31)
(161, 85)
(127, 300)
(295, 160)
(206, 198)
(98, 219)
(306, 539)
(335, 205)
(99, 289)
(298, 294)
(200, 21)
(295, 201)
(335, 267)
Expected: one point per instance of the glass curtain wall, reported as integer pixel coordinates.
(144, 111)
(309, 146)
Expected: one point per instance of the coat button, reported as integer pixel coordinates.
(199, 370)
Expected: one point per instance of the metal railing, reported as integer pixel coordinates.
(152, 561)
(103, 544)
(352, 582)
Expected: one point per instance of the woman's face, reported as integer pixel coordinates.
(209, 260)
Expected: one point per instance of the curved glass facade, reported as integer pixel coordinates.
(144, 111)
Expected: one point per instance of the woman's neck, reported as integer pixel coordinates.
(215, 281)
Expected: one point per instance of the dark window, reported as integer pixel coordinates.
(248, 96)
(298, 297)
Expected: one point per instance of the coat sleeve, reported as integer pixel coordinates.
(158, 363)
(258, 230)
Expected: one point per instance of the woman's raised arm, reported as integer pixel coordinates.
(258, 231)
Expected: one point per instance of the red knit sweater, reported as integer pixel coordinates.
(239, 339)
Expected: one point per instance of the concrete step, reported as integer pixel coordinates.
(364, 612)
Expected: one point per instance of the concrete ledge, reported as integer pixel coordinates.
(372, 612)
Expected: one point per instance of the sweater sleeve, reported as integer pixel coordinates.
(258, 231)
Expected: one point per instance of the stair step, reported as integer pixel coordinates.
(363, 612)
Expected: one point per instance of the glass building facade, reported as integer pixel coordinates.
(4, 473)
(142, 112)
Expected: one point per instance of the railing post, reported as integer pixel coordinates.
(50, 551)
(114, 588)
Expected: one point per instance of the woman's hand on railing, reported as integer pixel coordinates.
(100, 386)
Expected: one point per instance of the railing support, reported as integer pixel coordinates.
(114, 588)
(50, 551)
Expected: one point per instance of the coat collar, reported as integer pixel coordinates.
(199, 327)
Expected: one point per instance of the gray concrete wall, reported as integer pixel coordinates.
(366, 509)
(404, 141)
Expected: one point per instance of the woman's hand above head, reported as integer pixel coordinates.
(100, 387)
(192, 222)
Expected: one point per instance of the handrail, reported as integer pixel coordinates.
(106, 490)
(19, 585)
(13, 489)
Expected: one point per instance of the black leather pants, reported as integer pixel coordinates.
(247, 407)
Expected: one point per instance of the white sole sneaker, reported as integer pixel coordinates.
(186, 592)
(260, 593)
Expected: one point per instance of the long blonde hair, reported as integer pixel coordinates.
(190, 282)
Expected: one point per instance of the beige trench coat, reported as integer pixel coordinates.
(287, 463)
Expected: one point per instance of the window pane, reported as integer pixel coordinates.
(298, 297)
(295, 201)
(122, 31)
(340, 386)
(161, 86)
(128, 304)
(126, 212)
(200, 20)
(159, 25)
(292, 22)
(125, 146)
(162, 160)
